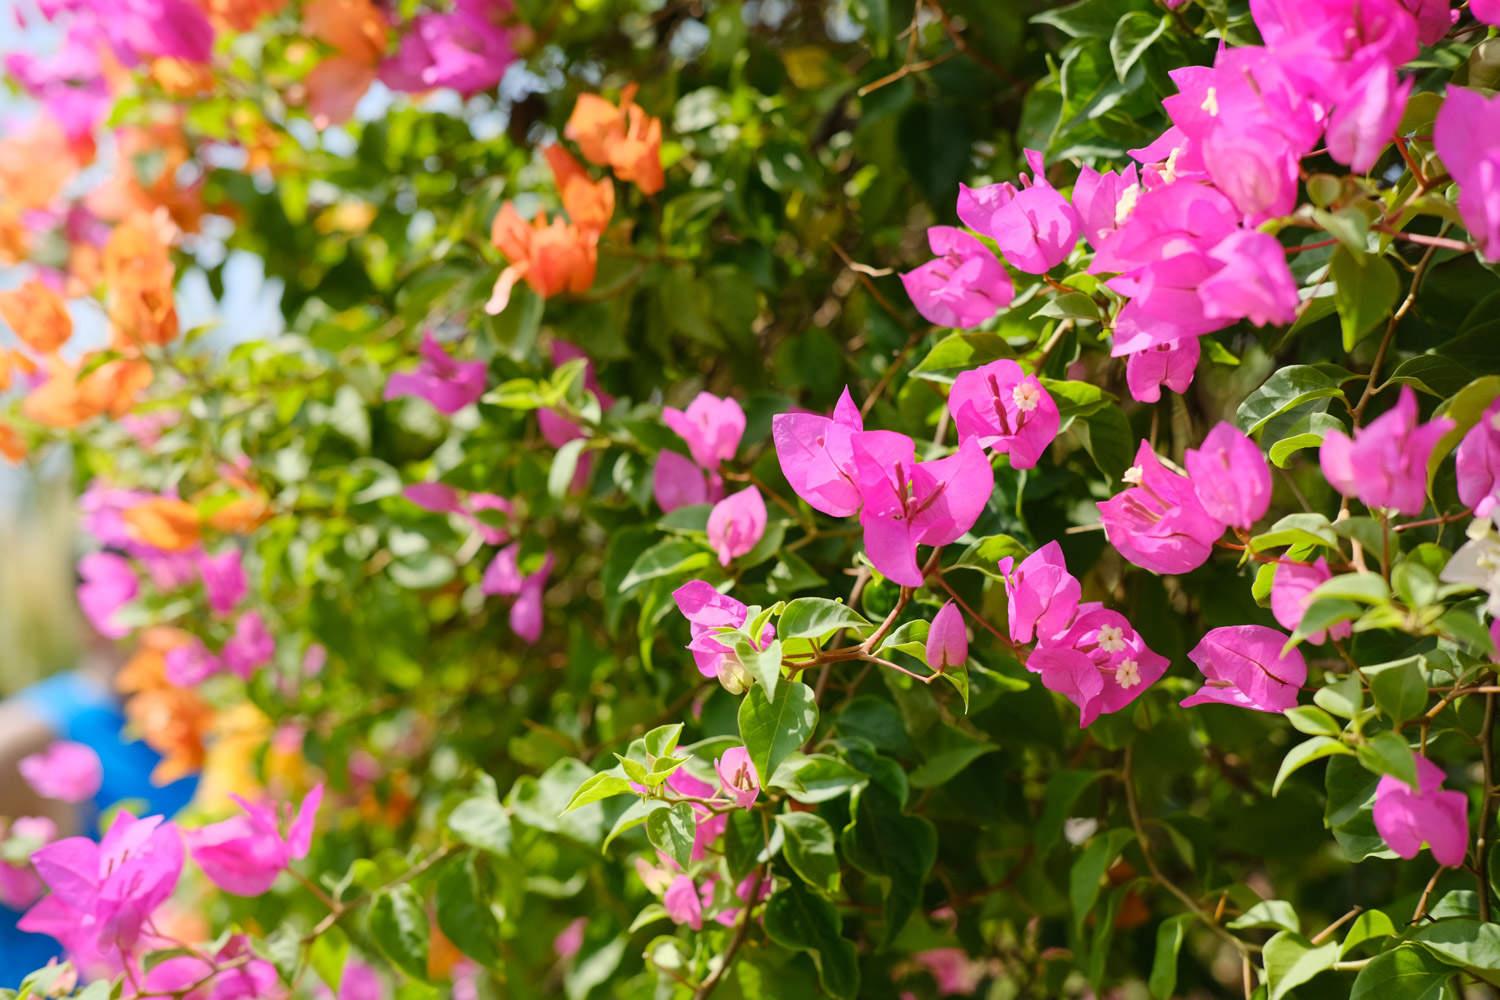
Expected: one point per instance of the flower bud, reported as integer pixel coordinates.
(947, 639)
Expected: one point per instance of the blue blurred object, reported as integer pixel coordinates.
(81, 709)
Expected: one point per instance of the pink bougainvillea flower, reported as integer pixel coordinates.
(1166, 222)
(1291, 593)
(250, 647)
(956, 974)
(461, 50)
(223, 580)
(1464, 136)
(683, 903)
(190, 663)
(1166, 302)
(1244, 666)
(1255, 167)
(65, 771)
(963, 286)
(19, 885)
(1005, 410)
(557, 429)
(1035, 227)
(1158, 523)
(738, 777)
(109, 583)
(817, 456)
(947, 639)
(710, 825)
(1104, 200)
(1362, 124)
(243, 855)
(103, 894)
(1434, 18)
(1406, 817)
(736, 524)
(570, 939)
(1042, 595)
(1487, 11)
(707, 611)
(447, 384)
(909, 503)
(1478, 463)
(443, 499)
(527, 613)
(1385, 464)
(712, 428)
(678, 482)
(1100, 663)
(1254, 282)
(1230, 476)
(1171, 364)
(235, 973)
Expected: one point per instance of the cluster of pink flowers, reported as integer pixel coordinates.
(708, 611)
(687, 898)
(447, 384)
(1087, 653)
(840, 468)
(105, 898)
(467, 49)
(711, 427)
(109, 581)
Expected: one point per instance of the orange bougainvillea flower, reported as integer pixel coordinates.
(240, 15)
(37, 315)
(15, 241)
(551, 257)
(173, 721)
(165, 523)
(138, 271)
(637, 157)
(73, 394)
(596, 124)
(13, 363)
(589, 203)
(357, 31)
(624, 138)
(147, 176)
(12, 446)
(36, 164)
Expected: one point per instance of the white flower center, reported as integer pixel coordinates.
(1134, 475)
(1211, 102)
(1111, 639)
(1126, 204)
(1026, 396)
(1128, 674)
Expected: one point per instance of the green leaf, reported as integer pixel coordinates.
(327, 955)
(1345, 698)
(1076, 399)
(1291, 960)
(398, 924)
(1084, 19)
(1169, 935)
(463, 915)
(815, 778)
(948, 750)
(1064, 788)
(1305, 753)
(817, 617)
(1284, 391)
(1399, 689)
(672, 557)
(1365, 290)
(662, 740)
(801, 920)
(1297, 529)
(883, 842)
(772, 729)
(810, 851)
(1387, 753)
(1275, 914)
(1088, 872)
(1468, 943)
(482, 822)
(762, 664)
(597, 787)
(959, 352)
(564, 465)
(1464, 409)
(1365, 588)
(1406, 973)
(1133, 36)
(1370, 925)
(671, 831)
(1313, 721)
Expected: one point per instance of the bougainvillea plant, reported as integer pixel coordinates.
(890, 498)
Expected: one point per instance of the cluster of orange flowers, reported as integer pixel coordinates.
(557, 255)
(357, 32)
(172, 720)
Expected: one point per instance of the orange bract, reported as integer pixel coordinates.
(36, 164)
(15, 242)
(551, 257)
(11, 444)
(165, 523)
(240, 15)
(70, 396)
(624, 138)
(138, 271)
(172, 720)
(355, 27)
(589, 203)
(38, 315)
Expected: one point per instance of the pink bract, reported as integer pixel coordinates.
(1406, 818)
(1005, 410)
(1245, 667)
